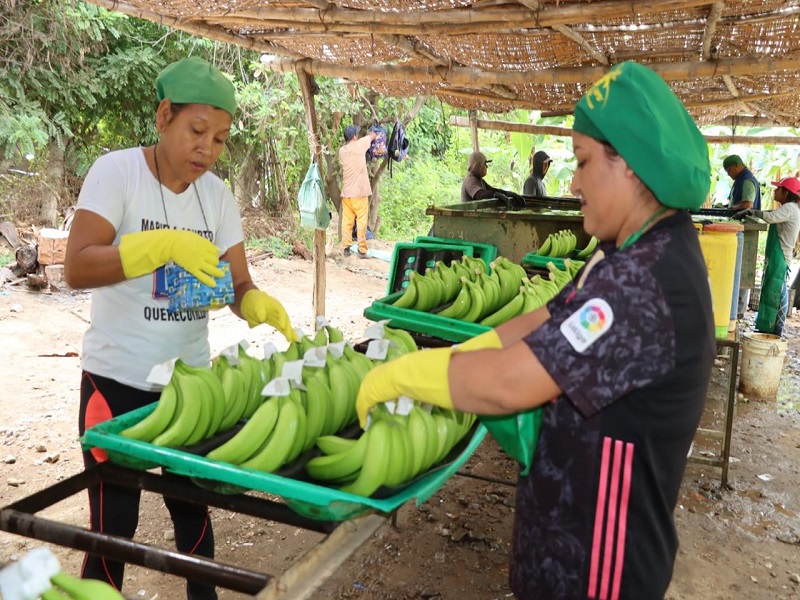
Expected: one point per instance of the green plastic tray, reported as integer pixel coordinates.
(407, 257)
(422, 322)
(533, 260)
(487, 252)
(310, 499)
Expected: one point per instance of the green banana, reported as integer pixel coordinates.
(334, 335)
(360, 362)
(54, 594)
(201, 402)
(477, 302)
(377, 456)
(340, 395)
(158, 420)
(432, 434)
(397, 460)
(401, 338)
(409, 297)
(234, 389)
(273, 454)
(317, 403)
(418, 434)
(186, 417)
(85, 589)
(460, 305)
(544, 249)
(251, 367)
(334, 444)
(507, 312)
(250, 437)
(507, 283)
(215, 391)
(452, 283)
(491, 289)
(302, 426)
(337, 466)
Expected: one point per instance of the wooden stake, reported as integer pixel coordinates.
(307, 86)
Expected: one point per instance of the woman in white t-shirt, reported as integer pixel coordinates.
(139, 209)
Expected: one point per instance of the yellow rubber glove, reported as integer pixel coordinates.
(143, 252)
(259, 307)
(419, 375)
(490, 339)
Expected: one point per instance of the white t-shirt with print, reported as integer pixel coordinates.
(131, 331)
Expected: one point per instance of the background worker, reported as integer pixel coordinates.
(534, 184)
(746, 191)
(474, 187)
(773, 304)
(356, 189)
(620, 360)
(138, 209)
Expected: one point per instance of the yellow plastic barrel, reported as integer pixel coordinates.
(718, 243)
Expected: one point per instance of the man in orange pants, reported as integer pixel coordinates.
(355, 188)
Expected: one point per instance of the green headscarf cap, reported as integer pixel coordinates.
(733, 159)
(196, 81)
(634, 110)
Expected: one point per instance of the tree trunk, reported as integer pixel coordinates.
(246, 181)
(53, 181)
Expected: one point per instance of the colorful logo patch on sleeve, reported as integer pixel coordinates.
(585, 326)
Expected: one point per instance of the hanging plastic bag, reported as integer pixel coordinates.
(314, 213)
(517, 434)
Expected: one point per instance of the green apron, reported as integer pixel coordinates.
(775, 270)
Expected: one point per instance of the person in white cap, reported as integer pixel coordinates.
(773, 305)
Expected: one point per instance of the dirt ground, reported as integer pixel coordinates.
(740, 541)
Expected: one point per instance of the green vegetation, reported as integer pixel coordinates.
(79, 82)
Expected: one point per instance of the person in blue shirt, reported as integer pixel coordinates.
(746, 191)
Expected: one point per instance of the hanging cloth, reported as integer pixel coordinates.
(775, 271)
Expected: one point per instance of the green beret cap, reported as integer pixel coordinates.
(733, 159)
(196, 81)
(634, 110)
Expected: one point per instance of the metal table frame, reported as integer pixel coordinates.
(297, 582)
(723, 459)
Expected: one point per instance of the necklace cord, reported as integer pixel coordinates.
(161, 191)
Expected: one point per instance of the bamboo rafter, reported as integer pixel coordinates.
(721, 57)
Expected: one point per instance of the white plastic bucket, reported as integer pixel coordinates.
(763, 355)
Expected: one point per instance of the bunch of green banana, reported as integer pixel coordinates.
(67, 587)
(392, 451)
(438, 285)
(587, 251)
(558, 244)
(191, 408)
(400, 338)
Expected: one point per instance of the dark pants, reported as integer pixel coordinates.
(115, 510)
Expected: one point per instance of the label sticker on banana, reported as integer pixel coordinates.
(315, 357)
(269, 349)
(280, 386)
(375, 331)
(378, 349)
(337, 349)
(401, 406)
(161, 373)
(231, 353)
(293, 371)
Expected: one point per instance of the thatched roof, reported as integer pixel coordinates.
(726, 60)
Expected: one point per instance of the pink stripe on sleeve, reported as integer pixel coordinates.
(611, 520)
(602, 489)
(623, 520)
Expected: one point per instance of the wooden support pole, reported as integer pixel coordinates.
(473, 129)
(307, 87)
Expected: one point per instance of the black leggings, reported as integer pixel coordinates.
(114, 509)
